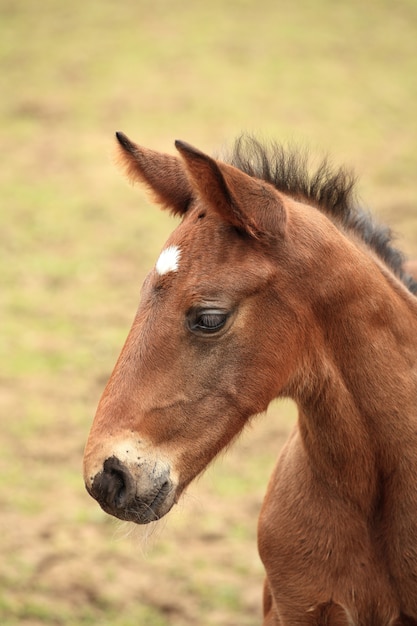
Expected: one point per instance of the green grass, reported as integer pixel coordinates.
(76, 242)
(27, 613)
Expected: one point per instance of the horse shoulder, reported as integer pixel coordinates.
(319, 556)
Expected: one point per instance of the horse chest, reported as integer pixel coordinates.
(317, 548)
(399, 530)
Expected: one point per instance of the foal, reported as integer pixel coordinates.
(274, 284)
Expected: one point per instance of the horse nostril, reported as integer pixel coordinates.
(113, 485)
(139, 493)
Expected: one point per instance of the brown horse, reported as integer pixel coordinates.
(274, 284)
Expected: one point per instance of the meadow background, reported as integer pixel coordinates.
(76, 242)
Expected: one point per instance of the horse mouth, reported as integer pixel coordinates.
(142, 510)
(118, 494)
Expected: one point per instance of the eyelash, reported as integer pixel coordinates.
(207, 321)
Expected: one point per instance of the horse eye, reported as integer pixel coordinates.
(207, 321)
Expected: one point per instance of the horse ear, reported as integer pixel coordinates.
(162, 173)
(245, 202)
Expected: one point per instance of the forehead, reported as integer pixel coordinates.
(200, 245)
(205, 256)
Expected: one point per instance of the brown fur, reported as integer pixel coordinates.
(308, 308)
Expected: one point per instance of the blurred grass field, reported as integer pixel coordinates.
(76, 242)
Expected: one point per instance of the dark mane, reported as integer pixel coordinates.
(331, 191)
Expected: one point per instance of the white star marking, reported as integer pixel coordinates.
(168, 260)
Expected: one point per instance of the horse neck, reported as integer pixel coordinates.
(357, 387)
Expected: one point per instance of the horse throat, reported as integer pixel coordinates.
(358, 408)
